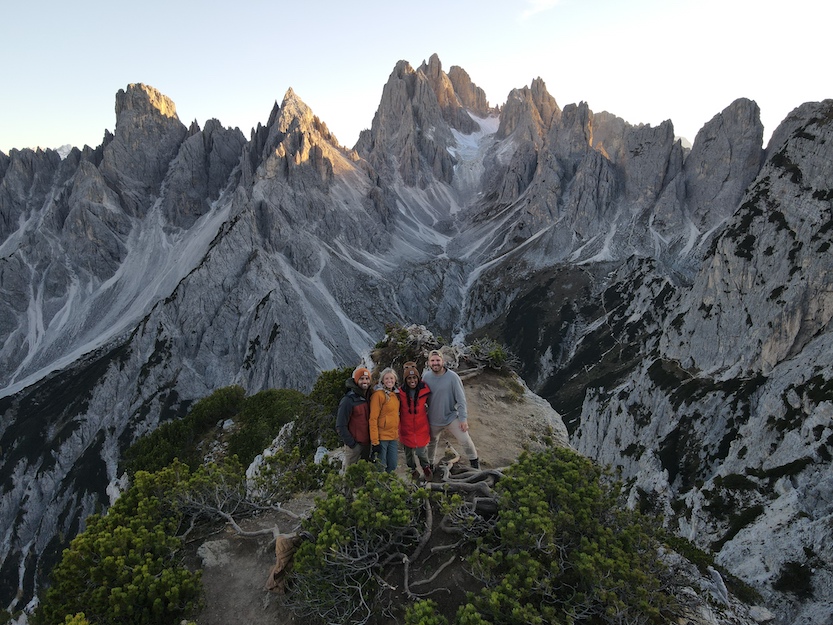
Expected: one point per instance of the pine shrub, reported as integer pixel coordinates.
(365, 520)
(123, 568)
(260, 419)
(179, 439)
(565, 550)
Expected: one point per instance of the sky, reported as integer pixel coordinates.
(643, 60)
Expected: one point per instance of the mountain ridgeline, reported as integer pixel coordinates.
(673, 305)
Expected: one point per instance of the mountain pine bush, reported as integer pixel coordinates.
(565, 550)
(123, 568)
(561, 549)
(260, 419)
(365, 520)
(179, 439)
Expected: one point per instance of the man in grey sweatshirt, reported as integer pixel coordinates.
(447, 408)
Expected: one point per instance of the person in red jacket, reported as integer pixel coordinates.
(414, 431)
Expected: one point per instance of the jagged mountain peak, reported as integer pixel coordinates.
(470, 95)
(742, 112)
(531, 111)
(440, 83)
(294, 136)
(296, 114)
(410, 134)
(413, 130)
(293, 107)
(724, 159)
(148, 135)
(454, 111)
(140, 99)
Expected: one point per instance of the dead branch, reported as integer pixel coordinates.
(272, 531)
(278, 507)
(426, 535)
(442, 567)
(438, 548)
(479, 488)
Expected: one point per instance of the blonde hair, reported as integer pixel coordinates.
(386, 371)
(382, 375)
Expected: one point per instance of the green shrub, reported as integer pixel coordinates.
(561, 549)
(424, 613)
(329, 388)
(222, 404)
(213, 492)
(123, 567)
(493, 355)
(737, 522)
(292, 469)
(565, 550)
(260, 419)
(288, 472)
(365, 517)
(796, 578)
(402, 344)
(180, 439)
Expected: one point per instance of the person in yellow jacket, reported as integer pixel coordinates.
(384, 421)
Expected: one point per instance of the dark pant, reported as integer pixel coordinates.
(412, 454)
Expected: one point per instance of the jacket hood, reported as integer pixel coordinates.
(351, 385)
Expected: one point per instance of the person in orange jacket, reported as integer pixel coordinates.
(384, 421)
(414, 431)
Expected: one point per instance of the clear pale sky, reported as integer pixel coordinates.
(643, 60)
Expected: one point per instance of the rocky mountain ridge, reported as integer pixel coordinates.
(671, 304)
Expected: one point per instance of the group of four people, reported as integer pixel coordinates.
(371, 423)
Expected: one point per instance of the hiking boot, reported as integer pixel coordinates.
(429, 473)
(416, 475)
(475, 463)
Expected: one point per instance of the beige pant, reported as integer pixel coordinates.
(359, 452)
(456, 430)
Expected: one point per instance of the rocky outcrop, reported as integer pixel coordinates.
(721, 421)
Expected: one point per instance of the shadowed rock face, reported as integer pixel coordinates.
(653, 293)
(148, 136)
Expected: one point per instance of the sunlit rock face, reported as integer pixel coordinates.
(672, 305)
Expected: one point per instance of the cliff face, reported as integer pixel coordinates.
(711, 391)
(671, 304)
